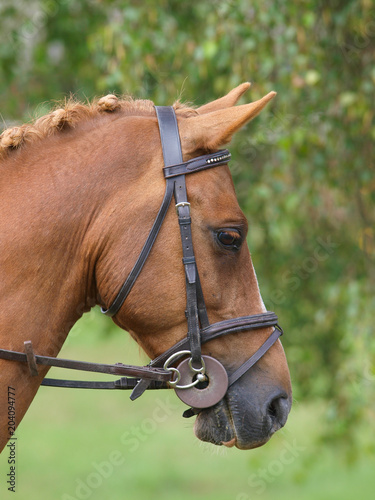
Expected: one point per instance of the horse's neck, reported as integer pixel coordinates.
(60, 212)
(46, 270)
(44, 262)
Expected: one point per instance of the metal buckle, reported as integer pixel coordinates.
(182, 204)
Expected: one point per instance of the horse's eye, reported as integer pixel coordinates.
(230, 238)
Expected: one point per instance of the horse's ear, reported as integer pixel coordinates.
(225, 102)
(212, 130)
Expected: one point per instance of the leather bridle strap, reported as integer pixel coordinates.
(196, 314)
(32, 360)
(153, 371)
(172, 154)
(256, 356)
(125, 383)
(134, 273)
(217, 330)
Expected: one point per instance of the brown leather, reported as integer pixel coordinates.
(216, 330)
(116, 369)
(196, 164)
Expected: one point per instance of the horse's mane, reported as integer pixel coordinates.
(71, 112)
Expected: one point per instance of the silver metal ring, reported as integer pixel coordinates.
(202, 369)
(174, 356)
(173, 383)
(187, 386)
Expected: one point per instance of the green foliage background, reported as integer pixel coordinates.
(304, 170)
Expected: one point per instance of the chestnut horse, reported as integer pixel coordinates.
(80, 188)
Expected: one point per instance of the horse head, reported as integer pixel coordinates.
(258, 404)
(80, 190)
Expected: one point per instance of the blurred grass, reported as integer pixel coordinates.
(77, 444)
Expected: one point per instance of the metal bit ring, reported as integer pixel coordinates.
(173, 383)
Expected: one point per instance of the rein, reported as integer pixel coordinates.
(200, 381)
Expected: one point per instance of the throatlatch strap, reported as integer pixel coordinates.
(134, 273)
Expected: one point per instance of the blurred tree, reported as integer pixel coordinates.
(304, 170)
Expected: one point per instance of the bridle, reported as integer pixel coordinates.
(199, 380)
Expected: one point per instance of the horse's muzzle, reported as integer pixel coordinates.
(244, 419)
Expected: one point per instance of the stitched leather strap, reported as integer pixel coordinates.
(216, 330)
(123, 383)
(134, 273)
(172, 153)
(169, 135)
(117, 369)
(256, 356)
(196, 164)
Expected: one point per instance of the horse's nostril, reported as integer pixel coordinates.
(278, 410)
(272, 408)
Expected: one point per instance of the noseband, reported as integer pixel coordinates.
(200, 381)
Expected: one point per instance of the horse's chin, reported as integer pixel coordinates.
(226, 425)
